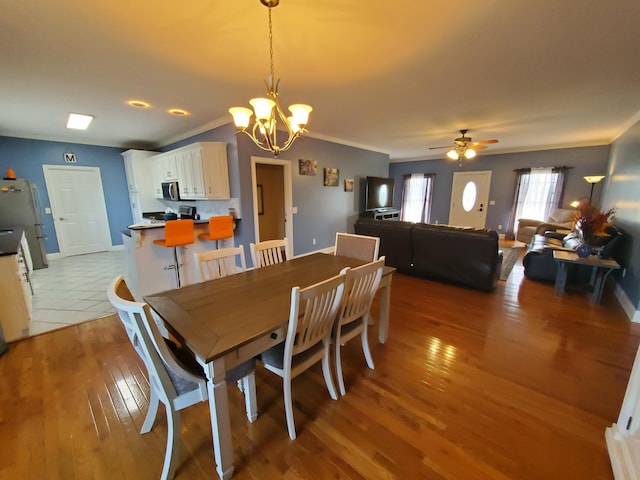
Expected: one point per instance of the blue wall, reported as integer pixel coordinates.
(27, 157)
(622, 191)
(584, 161)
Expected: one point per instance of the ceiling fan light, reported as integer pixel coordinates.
(241, 116)
(452, 154)
(469, 153)
(262, 107)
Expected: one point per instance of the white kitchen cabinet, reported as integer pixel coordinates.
(143, 189)
(203, 172)
(167, 166)
(15, 296)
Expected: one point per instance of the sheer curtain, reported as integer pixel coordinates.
(537, 192)
(416, 197)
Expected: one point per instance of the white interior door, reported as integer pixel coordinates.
(78, 209)
(469, 199)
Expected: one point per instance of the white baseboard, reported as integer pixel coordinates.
(629, 308)
(54, 256)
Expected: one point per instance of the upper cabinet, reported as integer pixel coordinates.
(201, 171)
(137, 164)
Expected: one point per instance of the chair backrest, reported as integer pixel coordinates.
(220, 227)
(178, 232)
(362, 247)
(168, 378)
(312, 315)
(220, 263)
(269, 252)
(360, 286)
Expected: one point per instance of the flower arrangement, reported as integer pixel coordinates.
(590, 221)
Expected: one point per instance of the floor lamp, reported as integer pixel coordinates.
(593, 179)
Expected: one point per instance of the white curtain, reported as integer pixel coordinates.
(416, 198)
(540, 196)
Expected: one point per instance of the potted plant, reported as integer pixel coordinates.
(590, 223)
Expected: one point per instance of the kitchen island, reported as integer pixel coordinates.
(150, 266)
(15, 290)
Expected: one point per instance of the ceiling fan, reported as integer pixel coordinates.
(465, 147)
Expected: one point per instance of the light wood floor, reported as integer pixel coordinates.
(515, 384)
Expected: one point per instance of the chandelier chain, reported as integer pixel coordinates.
(271, 45)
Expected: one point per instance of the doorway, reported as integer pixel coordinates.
(78, 208)
(469, 199)
(272, 199)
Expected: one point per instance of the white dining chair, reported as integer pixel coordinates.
(175, 377)
(311, 317)
(219, 263)
(269, 252)
(360, 286)
(362, 247)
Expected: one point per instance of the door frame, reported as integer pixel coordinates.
(288, 196)
(49, 182)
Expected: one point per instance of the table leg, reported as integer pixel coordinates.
(220, 421)
(385, 301)
(598, 286)
(561, 278)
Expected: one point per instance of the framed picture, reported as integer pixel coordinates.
(331, 177)
(348, 184)
(307, 167)
(260, 199)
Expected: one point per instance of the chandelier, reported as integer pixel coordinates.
(264, 132)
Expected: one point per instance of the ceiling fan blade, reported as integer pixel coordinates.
(447, 146)
(476, 147)
(485, 142)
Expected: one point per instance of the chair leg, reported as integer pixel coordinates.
(365, 343)
(175, 257)
(338, 362)
(173, 444)
(288, 405)
(250, 400)
(326, 371)
(152, 411)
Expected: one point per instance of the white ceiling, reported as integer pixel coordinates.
(395, 76)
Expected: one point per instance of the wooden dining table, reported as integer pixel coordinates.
(227, 321)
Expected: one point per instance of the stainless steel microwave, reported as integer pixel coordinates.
(170, 191)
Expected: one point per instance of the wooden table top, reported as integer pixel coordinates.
(216, 317)
(592, 260)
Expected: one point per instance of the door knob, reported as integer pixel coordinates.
(61, 218)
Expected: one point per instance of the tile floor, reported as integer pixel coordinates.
(73, 290)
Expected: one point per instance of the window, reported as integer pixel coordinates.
(538, 192)
(416, 197)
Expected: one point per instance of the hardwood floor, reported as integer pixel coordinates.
(515, 384)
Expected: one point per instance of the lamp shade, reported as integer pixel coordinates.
(300, 113)
(241, 116)
(469, 153)
(262, 107)
(453, 155)
(593, 178)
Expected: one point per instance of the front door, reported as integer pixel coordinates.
(469, 199)
(78, 209)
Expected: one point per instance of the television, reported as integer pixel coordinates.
(378, 193)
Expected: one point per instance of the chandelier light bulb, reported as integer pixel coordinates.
(300, 113)
(469, 153)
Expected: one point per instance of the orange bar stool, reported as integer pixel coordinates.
(219, 229)
(177, 233)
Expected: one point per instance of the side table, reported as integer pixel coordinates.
(601, 269)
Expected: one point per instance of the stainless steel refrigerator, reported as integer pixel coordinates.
(20, 205)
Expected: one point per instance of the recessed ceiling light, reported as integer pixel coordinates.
(178, 111)
(138, 104)
(79, 121)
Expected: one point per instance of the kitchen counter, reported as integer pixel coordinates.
(10, 238)
(158, 224)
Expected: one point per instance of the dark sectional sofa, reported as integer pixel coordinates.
(464, 256)
(539, 264)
